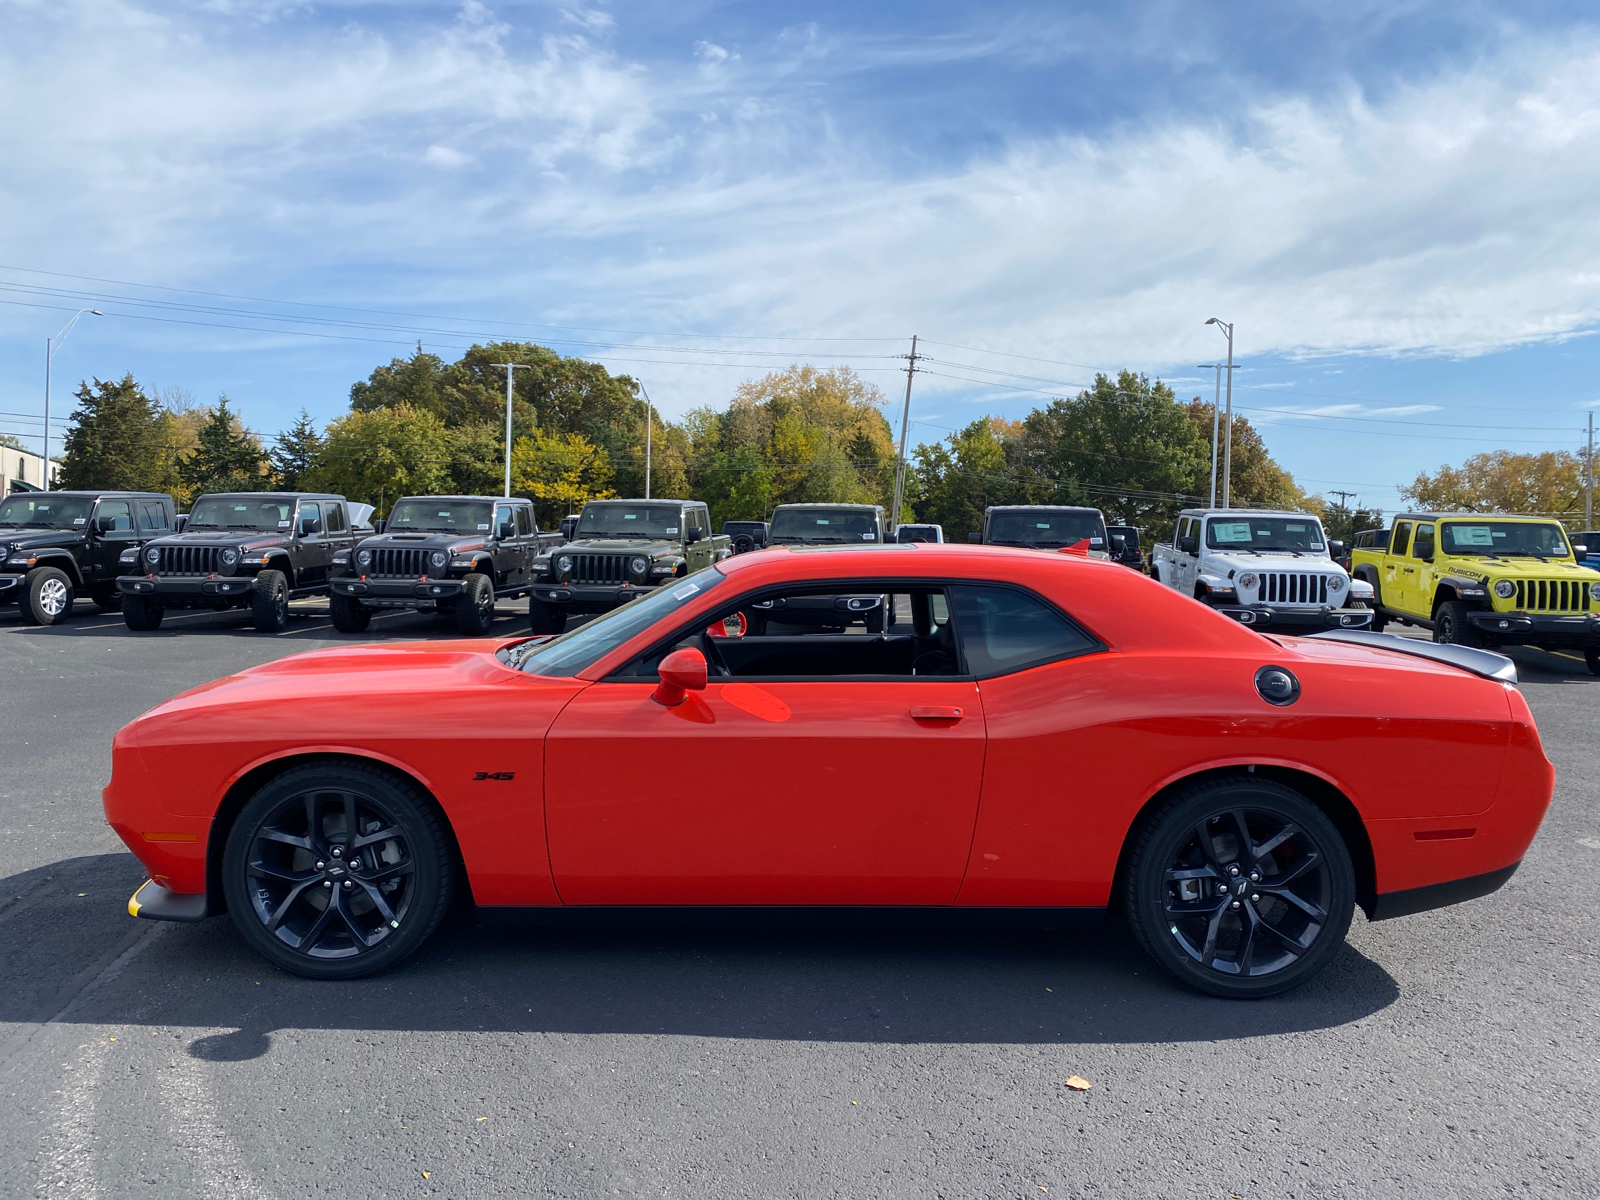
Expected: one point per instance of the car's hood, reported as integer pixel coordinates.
(1271, 561)
(1514, 568)
(29, 539)
(456, 543)
(249, 539)
(621, 545)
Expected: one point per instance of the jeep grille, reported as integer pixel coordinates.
(600, 568)
(405, 564)
(1293, 587)
(187, 560)
(1552, 595)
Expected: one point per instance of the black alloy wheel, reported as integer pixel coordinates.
(1241, 887)
(475, 606)
(349, 614)
(335, 871)
(269, 602)
(1451, 626)
(141, 613)
(546, 618)
(47, 596)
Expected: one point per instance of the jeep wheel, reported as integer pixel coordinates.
(475, 606)
(141, 614)
(1379, 621)
(1591, 656)
(269, 602)
(349, 614)
(46, 596)
(545, 618)
(337, 870)
(1240, 887)
(107, 598)
(1451, 626)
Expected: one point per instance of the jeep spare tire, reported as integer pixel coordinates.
(475, 606)
(46, 596)
(269, 602)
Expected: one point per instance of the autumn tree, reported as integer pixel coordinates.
(559, 473)
(1547, 484)
(953, 481)
(379, 455)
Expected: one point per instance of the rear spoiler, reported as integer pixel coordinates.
(1480, 662)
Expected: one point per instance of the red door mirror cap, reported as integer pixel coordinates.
(682, 672)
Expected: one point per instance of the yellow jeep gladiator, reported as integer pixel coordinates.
(1484, 580)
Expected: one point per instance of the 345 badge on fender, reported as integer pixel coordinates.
(502, 776)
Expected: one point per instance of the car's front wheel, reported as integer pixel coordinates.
(546, 618)
(1240, 887)
(1591, 656)
(269, 602)
(141, 614)
(475, 606)
(46, 596)
(1379, 621)
(337, 870)
(1451, 626)
(349, 614)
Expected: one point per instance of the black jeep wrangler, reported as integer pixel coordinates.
(745, 536)
(60, 545)
(454, 555)
(825, 525)
(255, 550)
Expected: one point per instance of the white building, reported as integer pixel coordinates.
(22, 466)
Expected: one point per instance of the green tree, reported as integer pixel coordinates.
(226, 457)
(295, 453)
(10, 442)
(955, 480)
(118, 439)
(1547, 484)
(380, 455)
(559, 472)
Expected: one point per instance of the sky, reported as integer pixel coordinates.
(1396, 205)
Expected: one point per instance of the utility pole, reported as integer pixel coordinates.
(649, 427)
(1588, 491)
(511, 373)
(51, 345)
(1227, 451)
(1344, 497)
(905, 422)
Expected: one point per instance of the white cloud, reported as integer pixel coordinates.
(444, 156)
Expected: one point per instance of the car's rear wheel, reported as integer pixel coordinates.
(46, 596)
(269, 602)
(1240, 887)
(337, 870)
(141, 614)
(546, 618)
(475, 606)
(349, 614)
(1451, 626)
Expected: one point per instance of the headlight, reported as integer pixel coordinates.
(1336, 583)
(1594, 591)
(364, 557)
(1505, 589)
(564, 563)
(1247, 580)
(639, 565)
(152, 555)
(438, 558)
(229, 557)
(130, 555)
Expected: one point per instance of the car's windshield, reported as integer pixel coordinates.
(241, 512)
(438, 516)
(1517, 538)
(1260, 534)
(824, 525)
(1044, 527)
(45, 510)
(587, 644)
(629, 521)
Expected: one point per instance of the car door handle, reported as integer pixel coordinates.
(936, 712)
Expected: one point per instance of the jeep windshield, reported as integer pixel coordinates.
(629, 521)
(438, 516)
(1260, 535)
(1523, 539)
(240, 512)
(1045, 528)
(812, 526)
(572, 652)
(42, 510)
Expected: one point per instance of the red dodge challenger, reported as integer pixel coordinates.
(933, 726)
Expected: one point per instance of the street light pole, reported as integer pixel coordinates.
(51, 345)
(1216, 416)
(1588, 491)
(511, 373)
(649, 428)
(1227, 451)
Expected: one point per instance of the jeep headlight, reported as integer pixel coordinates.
(130, 555)
(564, 563)
(1594, 591)
(230, 557)
(1336, 583)
(152, 555)
(438, 558)
(1505, 589)
(1247, 580)
(639, 564)
(364, 557)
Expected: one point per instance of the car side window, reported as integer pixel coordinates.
(502, 516)
(152, 516)
(308, 520)
(1004, 629)
(525, 521)
(1422, 547)
(335, 518)
(117, 511)
(1402, 538)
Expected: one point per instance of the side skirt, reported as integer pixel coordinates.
(843, 918)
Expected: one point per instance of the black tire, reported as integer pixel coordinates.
(371, 916)
(1591, 656)
(47, 596)
(107, 598)
(475, 606)
(141, 614)
(349, 614)
(546, 618)
(1379, 621)
(1194, 841)
(269, 602)
(1451, 627)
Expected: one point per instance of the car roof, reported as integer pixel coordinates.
(1042, 507)
(1471, 516)
(828, 504)
(1248, 512)
(96, 492)
(478, 499)
(652, 500)
(277, 495)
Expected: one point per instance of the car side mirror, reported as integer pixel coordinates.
(308, 526)
(1118, 543)
(696, 534)
(507, 529)
(1189, 545)
(975, 538)
(105, 524)
(682, 672)
(378, 526)
(1579, 551)
(1335, 547)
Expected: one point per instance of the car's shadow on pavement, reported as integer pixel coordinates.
(308, 621)
(828, 983)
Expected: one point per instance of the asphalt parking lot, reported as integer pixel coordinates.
(1449, 1053)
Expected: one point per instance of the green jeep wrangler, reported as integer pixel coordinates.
(1484, 580)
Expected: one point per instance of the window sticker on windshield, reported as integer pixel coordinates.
(78, 520)
(283, 524)
(483, 524)
(630, 516)
(1472, 535)
(1295, 528)
(822, 520)
(1096, 542)
(869, 537)
(1041, 524)
(672, 529)
(687, 590)
(1232, 531)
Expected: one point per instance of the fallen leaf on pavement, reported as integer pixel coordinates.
(1079, 1084)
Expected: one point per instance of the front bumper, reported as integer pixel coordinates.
(1576, 629)
(396, 593)
(1270, 616)
(10, 587)
(187, 588)
(587, 597)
